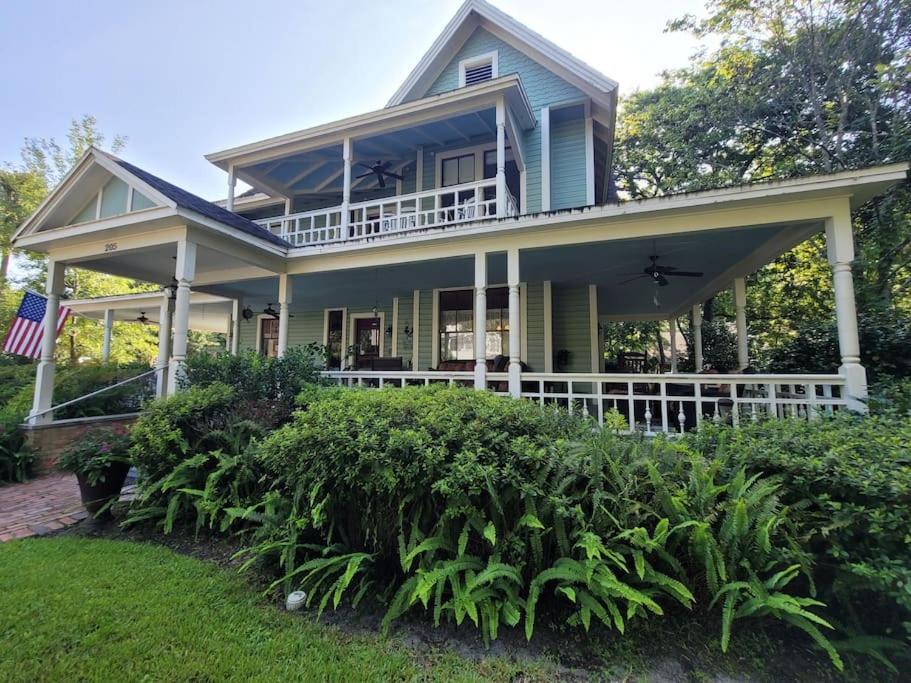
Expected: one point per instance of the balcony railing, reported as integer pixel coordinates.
(649, 404)
(392, 215)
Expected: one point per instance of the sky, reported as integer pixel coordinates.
(183, 78)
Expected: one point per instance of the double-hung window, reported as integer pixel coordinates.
(457, 323)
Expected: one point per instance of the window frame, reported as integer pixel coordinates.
(478, 60)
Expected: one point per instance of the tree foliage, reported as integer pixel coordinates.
(794, 87)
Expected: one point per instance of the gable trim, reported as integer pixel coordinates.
(478, 13)
(91, 156)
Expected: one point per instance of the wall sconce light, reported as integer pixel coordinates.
(407, 331)
(247, 313)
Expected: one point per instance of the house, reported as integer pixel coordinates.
(467, 232)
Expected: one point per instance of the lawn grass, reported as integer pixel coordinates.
(91, 609)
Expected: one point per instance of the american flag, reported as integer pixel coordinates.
(27, 330)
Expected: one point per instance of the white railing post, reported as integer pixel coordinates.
(480, 321)
(740, 308)
(47, 366)
(501, 157)
(346, 187)
(185, 271)
(840, 246)
(515, 333)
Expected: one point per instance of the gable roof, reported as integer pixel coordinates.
(190, 201)
(162, 193)
(474, 13)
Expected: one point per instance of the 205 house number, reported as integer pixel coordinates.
(110, 246)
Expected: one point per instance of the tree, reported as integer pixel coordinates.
(796, 87)
(20, 194)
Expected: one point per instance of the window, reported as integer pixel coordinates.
(458, 170)
(268, 337)
(478, 69)
(334, 328)
(457, 323)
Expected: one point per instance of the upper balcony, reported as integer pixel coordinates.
(445, 159)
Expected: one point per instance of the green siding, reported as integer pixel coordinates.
(571, 327)
(87, 213)
(542, 86)
(425, 323)
(534, 293)
(140, 201)
(406, 313)
(567, 164)
(114, 198)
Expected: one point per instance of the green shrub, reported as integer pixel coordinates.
(176, 428)
(268, 385)
(94, 454)
(848, 482)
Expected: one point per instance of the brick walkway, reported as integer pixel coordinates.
(38, 506)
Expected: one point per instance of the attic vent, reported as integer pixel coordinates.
(476, 74)
(478, 69)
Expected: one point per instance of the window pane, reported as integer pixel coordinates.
(450, 171)
(466, 168)
(490, 164)
(449, 320)
(466, 321)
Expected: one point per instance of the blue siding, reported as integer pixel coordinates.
(534, 292)
(567, 164)
(542, 86)
(425, 323)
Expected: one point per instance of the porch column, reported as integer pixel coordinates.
(740, 308)
(284, 302)
(515, 324)
(165, 314)
(840, 248)
(480, 321)
(232, 181)
(672, 333)
(236, 309)
(346, 184)
(697, 336)
(44, 378)
(108, 330)
(501, 157)
(184, 272)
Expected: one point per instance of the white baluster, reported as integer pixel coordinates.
(648, 417)
(681, 417)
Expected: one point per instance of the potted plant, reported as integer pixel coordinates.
(100, 462)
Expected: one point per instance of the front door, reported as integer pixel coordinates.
(366, 341)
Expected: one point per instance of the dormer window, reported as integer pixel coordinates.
(478, 69)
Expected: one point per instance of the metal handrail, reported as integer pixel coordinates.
(94, 393)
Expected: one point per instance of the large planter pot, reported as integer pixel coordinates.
(96, 497)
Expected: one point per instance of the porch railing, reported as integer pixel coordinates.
(392, 215)
(649, 404)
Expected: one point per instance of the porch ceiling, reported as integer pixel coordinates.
(720, 255)
(207, 313)
(321, 172)
(156, 264)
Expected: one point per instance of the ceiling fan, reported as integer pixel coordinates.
(659, 274)
(142, 318)
(379, 170)
(270, 311)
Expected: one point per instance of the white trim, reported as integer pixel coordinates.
(545, 158)
(475, 13)
(593, 327)
(548, 327)
(435, 327)
(395, 327)
(523, 316)
(368, 316)
(491, 57)
(415, 329)
(589, 156)
(469, 98)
